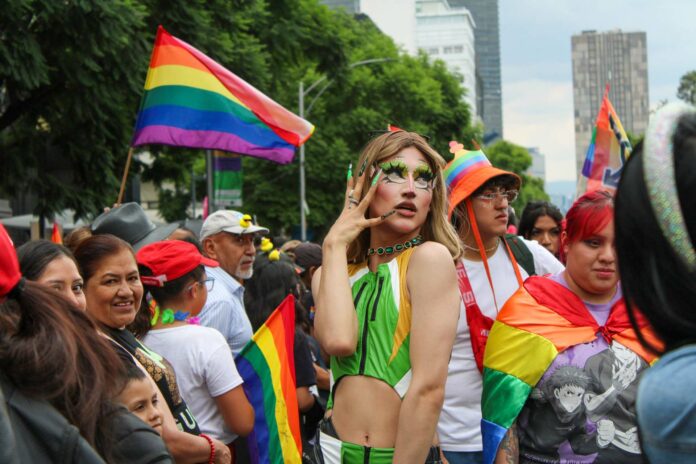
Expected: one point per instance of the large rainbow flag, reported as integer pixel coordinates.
(539, 321)
(608, 151)
(192, 101)
(267, 366)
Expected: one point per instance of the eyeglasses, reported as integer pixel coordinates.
(209, 284)
(509, 195)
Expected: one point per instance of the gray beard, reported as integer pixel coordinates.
(244, 275)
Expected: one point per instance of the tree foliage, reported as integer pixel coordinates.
(71, 76)
(510, 157)
(687, 88)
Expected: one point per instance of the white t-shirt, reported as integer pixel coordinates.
(204, 370)
(459, 427)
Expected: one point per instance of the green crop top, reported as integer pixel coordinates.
(383, 308)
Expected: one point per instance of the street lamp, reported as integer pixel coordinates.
(303, 113)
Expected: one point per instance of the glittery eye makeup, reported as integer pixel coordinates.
(396, 172)
(423, 177)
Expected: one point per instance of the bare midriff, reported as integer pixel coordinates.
(366, 411)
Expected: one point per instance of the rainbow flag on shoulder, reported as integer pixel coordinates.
(267, 366)
(608, 151)
(539, 321)
(192, 101)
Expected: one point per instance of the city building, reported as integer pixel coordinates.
(619, 59)
(447, 33)
(439, 27)
(489, 105)
(538, 167)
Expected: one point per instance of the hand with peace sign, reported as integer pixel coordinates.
(352, 220)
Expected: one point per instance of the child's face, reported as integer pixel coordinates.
(141, 398)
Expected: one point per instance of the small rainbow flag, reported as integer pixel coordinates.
(608, 151)
(192, 101)
(540, 320)
(267, 366)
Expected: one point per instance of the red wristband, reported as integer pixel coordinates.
(211, 459)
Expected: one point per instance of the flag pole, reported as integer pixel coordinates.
(125, 176)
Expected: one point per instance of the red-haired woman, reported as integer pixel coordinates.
(562, 361)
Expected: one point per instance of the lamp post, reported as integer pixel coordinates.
(301, 104)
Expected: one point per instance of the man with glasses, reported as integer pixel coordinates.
(493, 267)
(228, 237)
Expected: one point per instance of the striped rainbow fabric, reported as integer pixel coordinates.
(192, 101)
(267, 366)
(528, 334)
(464, 161)
(608, 151)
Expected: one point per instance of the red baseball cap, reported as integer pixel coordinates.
(170, 259)
(9, 270)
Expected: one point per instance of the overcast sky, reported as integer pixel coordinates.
(537, 70)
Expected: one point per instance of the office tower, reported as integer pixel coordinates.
(442, 30)
(487, 46)
(538, 167)
(614, 57)
(447, 33)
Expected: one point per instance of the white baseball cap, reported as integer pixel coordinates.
(230, 221)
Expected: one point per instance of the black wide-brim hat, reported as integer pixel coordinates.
(130, 223)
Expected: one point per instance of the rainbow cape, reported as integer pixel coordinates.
(539, 321)
(608, 151)
(267, 366)
(192, 101)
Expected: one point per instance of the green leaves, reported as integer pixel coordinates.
(72, 73)
(510, 157)
(687, 88)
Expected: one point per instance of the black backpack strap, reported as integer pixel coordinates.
(524, 257)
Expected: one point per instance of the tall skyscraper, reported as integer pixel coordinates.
(619, 59)
(441, 28)
(538, 167)
(447, 33)
(487, 46)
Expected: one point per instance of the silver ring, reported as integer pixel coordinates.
(353, 201)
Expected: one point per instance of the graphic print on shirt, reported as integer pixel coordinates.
(583, 408)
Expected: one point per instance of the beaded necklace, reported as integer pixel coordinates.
(417, 240)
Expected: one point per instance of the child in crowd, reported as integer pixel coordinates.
(172, 273)
(140, 397)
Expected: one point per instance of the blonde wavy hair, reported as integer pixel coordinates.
(436, 227)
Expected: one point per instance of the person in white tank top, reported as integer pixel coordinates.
(489, 273)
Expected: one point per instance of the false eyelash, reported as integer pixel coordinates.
(425, 172)
(395, 166)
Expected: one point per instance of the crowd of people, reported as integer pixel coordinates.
(426, 332)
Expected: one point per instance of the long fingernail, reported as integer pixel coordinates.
(350, 171)
(376, 178)
(386, 215)
(362, 168)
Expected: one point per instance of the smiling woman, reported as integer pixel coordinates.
(114, 292)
